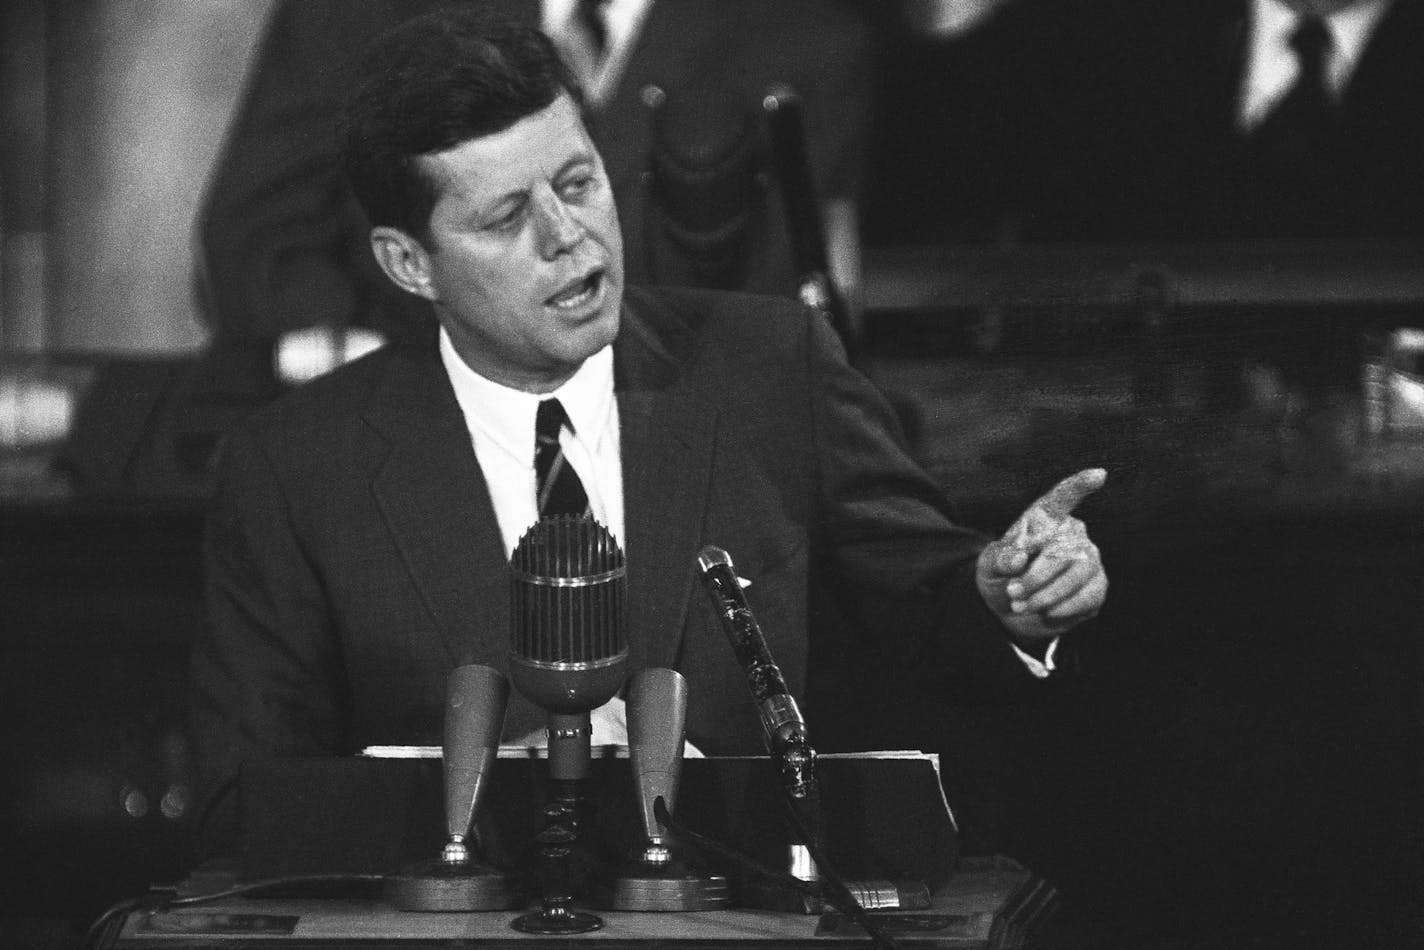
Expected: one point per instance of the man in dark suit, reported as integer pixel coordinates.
(1269, 119)
(357, 550)
(1116, 120)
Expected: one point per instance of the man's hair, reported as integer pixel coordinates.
(430, 84)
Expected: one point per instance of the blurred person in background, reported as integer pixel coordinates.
(1099, 120)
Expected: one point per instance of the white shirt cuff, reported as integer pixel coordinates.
(1039, 668)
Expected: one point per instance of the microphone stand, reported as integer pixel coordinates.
(783, 726)
(659, 879)
(786, 737)
(568, 655)
(569, 755)
(794, 758)
(816, 892)
(458, 880)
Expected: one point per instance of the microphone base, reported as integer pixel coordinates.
(456, 888)
(556, 921)
(871, 895)
(676, 888)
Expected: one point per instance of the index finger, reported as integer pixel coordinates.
(1060, 500)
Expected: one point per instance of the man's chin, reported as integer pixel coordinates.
(584, 341)
(599, 330)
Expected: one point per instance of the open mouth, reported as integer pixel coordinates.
(578, 293)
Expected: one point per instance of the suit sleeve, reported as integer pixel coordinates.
(266, 666)
(890, 532)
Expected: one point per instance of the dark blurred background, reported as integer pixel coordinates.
(1067, 249)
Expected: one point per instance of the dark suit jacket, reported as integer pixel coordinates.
(284, 246)
(353, 557)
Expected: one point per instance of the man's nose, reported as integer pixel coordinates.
(559, 230)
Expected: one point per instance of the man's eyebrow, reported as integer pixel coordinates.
(521, 195)
(583, 158)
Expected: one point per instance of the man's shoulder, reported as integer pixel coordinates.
(330, 401)
(677, 312)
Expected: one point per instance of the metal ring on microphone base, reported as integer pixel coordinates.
(441, 886)
(870, 895)
(557, 920)
(672, 889)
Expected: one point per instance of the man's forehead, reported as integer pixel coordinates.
(537, 146)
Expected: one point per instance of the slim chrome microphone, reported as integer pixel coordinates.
(781, 719)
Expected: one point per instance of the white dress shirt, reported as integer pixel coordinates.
(1271, 63)
(624, 20)
(501, 425)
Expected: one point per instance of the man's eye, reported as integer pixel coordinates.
(507, 221)
(577, 186)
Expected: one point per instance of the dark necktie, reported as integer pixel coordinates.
(1311, 42)
(1294, 146)
(590, 17)
(559, 490)
(1305, 111)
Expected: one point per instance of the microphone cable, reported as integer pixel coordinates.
(160, 901)
(837, 894)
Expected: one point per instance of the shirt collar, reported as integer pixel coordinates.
(623, 17)
(1350, 30)
(506, 416)
(624, 20)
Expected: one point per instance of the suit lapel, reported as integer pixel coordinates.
(438, 510)
(668, 428)
(1228, 65)
(1388, 79)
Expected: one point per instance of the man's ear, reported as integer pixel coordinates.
(404, 259)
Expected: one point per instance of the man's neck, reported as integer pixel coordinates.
(532, 383)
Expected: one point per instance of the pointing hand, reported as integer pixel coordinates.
(1045, 575)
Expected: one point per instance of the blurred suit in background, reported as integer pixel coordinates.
(1116, 120)
(1120, 121)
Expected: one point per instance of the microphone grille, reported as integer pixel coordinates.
(568, 584)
